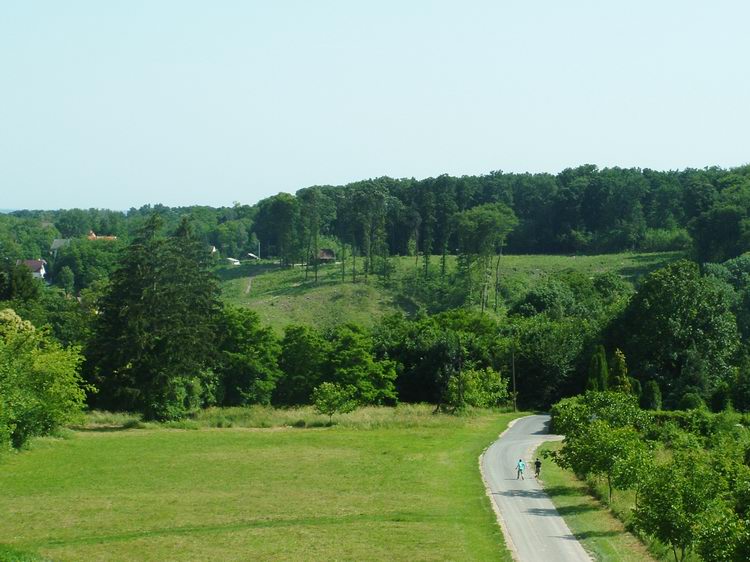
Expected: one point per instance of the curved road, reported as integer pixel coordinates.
(533, 529)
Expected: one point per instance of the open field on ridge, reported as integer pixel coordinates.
(282, 295)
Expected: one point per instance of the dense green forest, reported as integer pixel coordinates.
(584, 210)
(138, 306)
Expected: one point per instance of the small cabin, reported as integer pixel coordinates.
(326, 255)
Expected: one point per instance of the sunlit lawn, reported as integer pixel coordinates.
(394, 492)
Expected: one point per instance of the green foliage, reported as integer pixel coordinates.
(573, 415)
(479, 388)
(721, 399)
(304, 352)
(482, 230)
(691, 401)
(40, 388)
(651, 396)
(598, 375)
(678, 330)
(155, 333)
(17, 283)
(619, 454)
(723, 536)
(351, 363)
(547, 352)
(551, 297)
(675, 499)
(740, 390)
(247, 360)
(620, 378)
(665, 240)
(84, 262)
(331, 398)
(698, 422)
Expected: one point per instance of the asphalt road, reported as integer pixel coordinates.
(533, 529)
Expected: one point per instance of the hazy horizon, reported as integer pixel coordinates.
(292, 191)
(182, 103)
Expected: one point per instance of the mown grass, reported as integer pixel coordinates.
(600, 532)
(8, 554)
(282, 295)
(398, 484)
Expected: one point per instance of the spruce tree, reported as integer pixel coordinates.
(154, 334)
(651, 397)
(598, 377)
(620, 379)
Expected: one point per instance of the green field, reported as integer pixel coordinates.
(397, 484)
(282, 295)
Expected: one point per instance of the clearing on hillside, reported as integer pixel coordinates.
(283, 296)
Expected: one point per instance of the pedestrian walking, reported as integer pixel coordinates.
(520, 467)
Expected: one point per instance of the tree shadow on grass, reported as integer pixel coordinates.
(555, 491)
(594, 534)
(575, 509)
(106, 428)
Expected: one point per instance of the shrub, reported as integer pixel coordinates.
(574, 415)
(40, 388)
(331, 398)
(479, 388)
(665, 240)
(651, 396)
(692, 401)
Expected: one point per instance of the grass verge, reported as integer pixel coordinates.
(600, 532)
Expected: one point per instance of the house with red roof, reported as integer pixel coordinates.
(36, 267)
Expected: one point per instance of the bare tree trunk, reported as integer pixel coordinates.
(497, 279)
(343, 262)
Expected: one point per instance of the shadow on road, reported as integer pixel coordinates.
(534, 494)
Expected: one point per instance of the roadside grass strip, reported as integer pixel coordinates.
(593, 524)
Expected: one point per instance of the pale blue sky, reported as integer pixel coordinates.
(121, 103)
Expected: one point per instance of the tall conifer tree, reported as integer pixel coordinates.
(154, 334)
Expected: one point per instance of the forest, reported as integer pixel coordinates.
(132, 308)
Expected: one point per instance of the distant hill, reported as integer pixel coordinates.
(282, 296)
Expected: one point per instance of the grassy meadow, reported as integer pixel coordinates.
(385, 483)
(282, 295)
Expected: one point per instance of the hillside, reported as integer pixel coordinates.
(282, 296)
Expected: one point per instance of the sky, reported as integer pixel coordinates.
(121, 104)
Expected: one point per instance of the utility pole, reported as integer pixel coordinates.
(513, 371)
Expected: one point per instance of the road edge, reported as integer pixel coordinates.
(488, 492)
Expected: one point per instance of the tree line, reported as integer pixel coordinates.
(688, 470)
(157, 339)
(579, 210)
